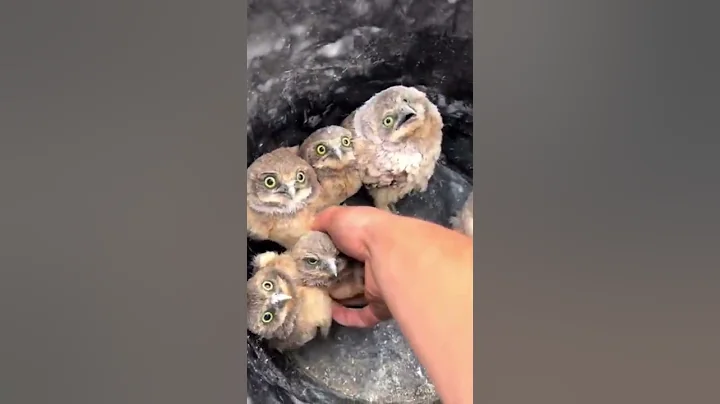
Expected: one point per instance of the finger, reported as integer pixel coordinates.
(340, 223)
(359, 318)
(324, 220)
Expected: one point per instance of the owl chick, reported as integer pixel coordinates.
(283, 195)
(282, 310)
(320, 264)
(463, 221)
(398, 136)
(330, 152)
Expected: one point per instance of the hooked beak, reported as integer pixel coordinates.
(279, 297)
(405, 115)
(338, 152)
(332, 265)
(288, 189)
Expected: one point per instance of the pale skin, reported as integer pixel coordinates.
(404, 258)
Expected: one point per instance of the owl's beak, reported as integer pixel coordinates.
(332, 265)
(287, 189)
(406, 114)
(338, 152)
(279, 297)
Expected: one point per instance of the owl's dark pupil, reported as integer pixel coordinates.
(267, 317)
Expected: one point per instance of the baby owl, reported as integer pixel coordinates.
(321, 264)
(331, 153)
(397, 135)
(283, 195)
(280, 309)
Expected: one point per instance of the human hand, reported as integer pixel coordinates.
(350, 229)
(403, 257)
(394, 249)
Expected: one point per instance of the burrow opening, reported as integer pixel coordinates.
(350, 365)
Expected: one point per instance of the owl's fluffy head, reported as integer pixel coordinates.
(318, 260)
(330, 147)
(280, 182)
(271, 305)
(396, 114)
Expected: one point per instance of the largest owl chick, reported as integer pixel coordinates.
(330, 152)
(321, 264)
(283, 196)
(280, 309)
(398, 133)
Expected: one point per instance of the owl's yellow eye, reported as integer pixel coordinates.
(320, 149)
(311, 260)
(300, 177)
(388, 121)
(267, 285)
(267, 317)
(345, 141)
(270, 182)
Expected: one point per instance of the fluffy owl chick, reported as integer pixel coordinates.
(331, 153)
(463, 221)
(320, 264)
(280, 309)
(283, 195)
(398, 136)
